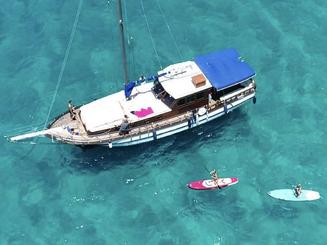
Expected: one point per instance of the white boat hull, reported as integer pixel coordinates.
(168, 131)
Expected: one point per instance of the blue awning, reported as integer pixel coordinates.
(224, 68)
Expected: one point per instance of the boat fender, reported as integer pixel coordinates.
(193, 116)
(154, 132)
(189, 122)
(225, 108)
(254, 100)
(207, 116)
(197, 119)
(110, 145)
(202, 111)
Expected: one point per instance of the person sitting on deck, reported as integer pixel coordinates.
(72, 131)
(72, 111)
(142, 79)
(214, 176)
(124, 127)
(298, 190)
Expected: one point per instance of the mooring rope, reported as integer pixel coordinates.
(23, 129)
(169, 29)
(72, 34)
(152, 40)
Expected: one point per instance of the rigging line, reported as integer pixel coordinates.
(133, 57)
(18, 131)
(169, 29)
(110, 75)
(33, 143)
(63, 65)
(130, 38)
(23, 128)
(126, 21)
(147, 24)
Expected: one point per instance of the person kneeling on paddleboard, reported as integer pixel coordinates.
(298, 190)
(214, 176)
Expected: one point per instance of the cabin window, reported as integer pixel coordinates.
(200, 95)
(167, 99)
(228, 90)
(181, 102)
(158, 89)
(189, 98)
(193, 97)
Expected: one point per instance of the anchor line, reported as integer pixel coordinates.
(33, 143)
(148, 26)
(18, 130)
(72, 34)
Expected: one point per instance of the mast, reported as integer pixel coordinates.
(122, 40)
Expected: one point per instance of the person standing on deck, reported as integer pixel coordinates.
(124, 127)
(72, 111)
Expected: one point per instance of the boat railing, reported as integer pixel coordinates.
(186, 116)
(149, 128)
(236, 97)
(152, 127)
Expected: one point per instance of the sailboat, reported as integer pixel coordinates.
(179, 97)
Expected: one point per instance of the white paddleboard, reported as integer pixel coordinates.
(289, 195)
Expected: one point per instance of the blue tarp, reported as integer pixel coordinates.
(129, 88)
(224, 68)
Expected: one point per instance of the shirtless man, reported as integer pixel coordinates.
(72, 111)
(298, 190)
(214, 176)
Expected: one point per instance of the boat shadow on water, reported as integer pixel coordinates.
(99, 158)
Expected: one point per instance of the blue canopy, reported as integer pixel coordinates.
(224, 68)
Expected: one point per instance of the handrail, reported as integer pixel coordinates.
(153, 126)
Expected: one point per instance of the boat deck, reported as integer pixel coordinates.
(74, 131)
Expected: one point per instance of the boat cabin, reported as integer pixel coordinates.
(177, 89)
(183, 87)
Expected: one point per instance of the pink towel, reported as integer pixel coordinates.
(143, 112)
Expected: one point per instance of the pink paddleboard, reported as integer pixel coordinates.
(209, 184)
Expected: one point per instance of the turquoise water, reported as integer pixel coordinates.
(60, 194)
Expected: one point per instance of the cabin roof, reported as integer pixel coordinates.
(178, 80)
(110, 111)
(224, 68)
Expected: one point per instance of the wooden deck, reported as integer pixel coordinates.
(80, 136)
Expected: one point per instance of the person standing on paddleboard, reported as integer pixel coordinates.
(214, 176)
(298, 190)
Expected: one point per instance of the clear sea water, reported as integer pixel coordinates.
(61, 194)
